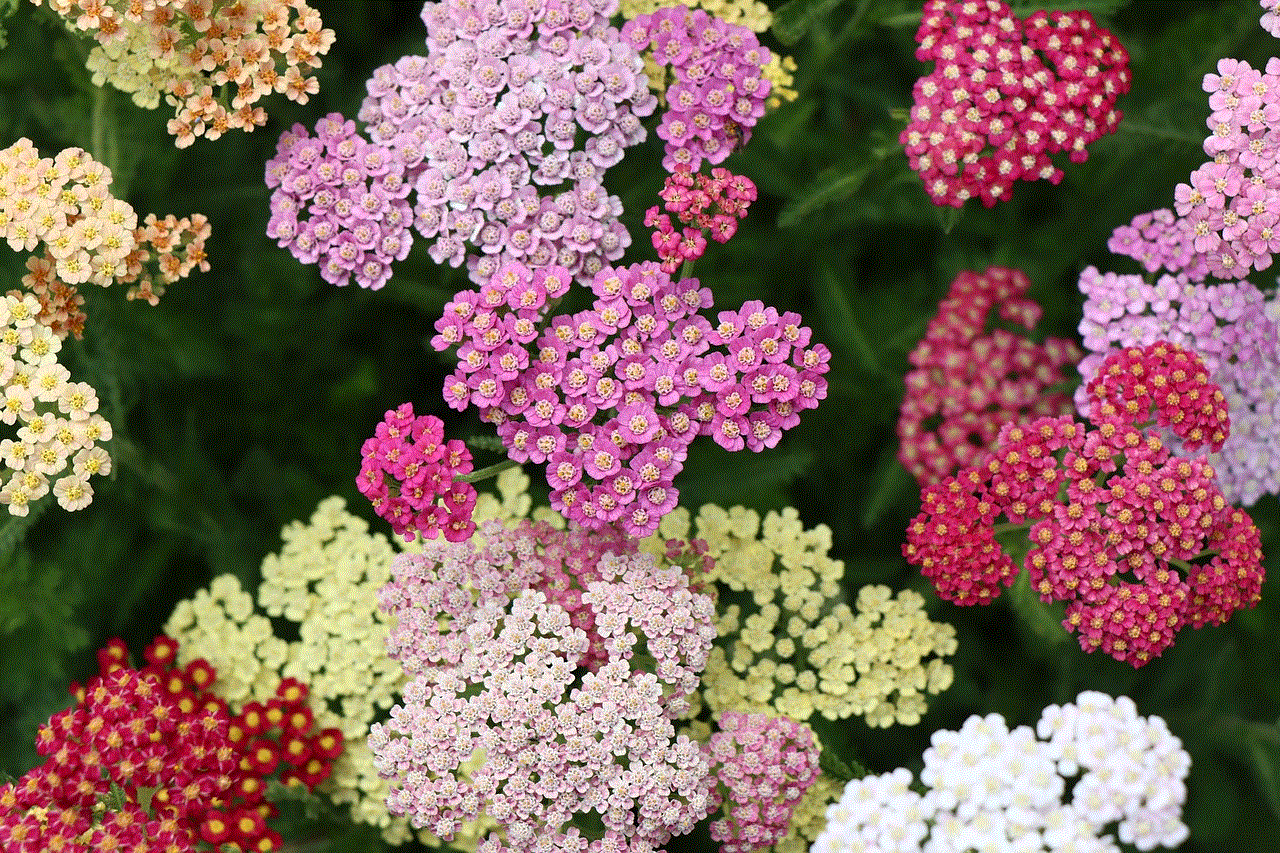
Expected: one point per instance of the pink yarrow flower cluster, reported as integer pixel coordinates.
(339, 201)
(765, 764)
(498, 670)
(1234, 329)
(410, 474)
(1137, 542)
(971, 377)
(719, 90)
(489, 124)
(703, 204)
(1006, 94)
(609, 398)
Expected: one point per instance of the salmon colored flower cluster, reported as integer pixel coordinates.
(1135, 541)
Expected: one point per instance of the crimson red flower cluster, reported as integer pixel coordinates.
(160, 730)
(702, 204)
(1135, 541)
(971, 377)
(1005, 94)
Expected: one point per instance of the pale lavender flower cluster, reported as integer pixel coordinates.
(1229, 326)
(488, 124)
(1159, 240)
(1094, 764)
(502, 719)
(609, 398)
(339, 201)
(719, 91)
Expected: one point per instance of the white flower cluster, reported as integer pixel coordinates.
(1095, 763)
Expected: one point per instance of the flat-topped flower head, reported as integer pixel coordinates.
(1006, 94)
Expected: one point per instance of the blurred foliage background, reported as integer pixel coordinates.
(242, 399)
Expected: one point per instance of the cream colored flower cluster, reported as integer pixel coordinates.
(325, 579)
(211, 60)
(791, 645)
(56, 418)
(751, 14)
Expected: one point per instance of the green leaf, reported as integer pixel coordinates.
(893, 483)
(793, 20)
(839, 316)
(842, 771)
(832, 185)
(948, 217)
(1044, 620)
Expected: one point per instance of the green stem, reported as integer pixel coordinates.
(686, 268)
(102, 137)
(485, 473)
(1009, 526)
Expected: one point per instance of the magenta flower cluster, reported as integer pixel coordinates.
(488, 124)
(718, 92)
(339, 201)
(1005, 94)
(610, 397)
(765, 765)
(409, 473)
(1232, 327)
(702, 204)
(498, 671)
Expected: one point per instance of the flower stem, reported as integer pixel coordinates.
(485, 473)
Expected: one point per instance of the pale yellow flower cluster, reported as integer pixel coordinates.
(202, 56)
(325, 579)
(791, 645)
(752, 14)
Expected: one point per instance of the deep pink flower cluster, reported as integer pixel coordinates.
(499, 670)
(1231, 327)
(488, 124)
(970, 378)
(609, 398)
(339, 201)
(1005, 94)
(719, 90)
(702, 204)
(409, 473)
(1137, 542)
(128, 733)
(765, 764)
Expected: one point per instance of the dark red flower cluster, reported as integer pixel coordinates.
(1005, 94)
(1135, 541)
(703, 204)
(183, 767)
(971, 378)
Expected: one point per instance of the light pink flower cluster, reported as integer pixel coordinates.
(200, 56)
(1229, 326)
(971, 377)
(409, 473)
(1092, 773)
(765, 764)
(719, 91)
(609, 398)
(489, 125)
(702, 204)
(1136, 541)
(1006, 94)
(339, 201)
(498, 670)
(1159, 240)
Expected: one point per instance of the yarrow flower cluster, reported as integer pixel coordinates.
(752, 14)
(702, 204)
(410, 475)
(198, 55)
(499, 669)
(611, 396)
(799, 649)
(339, 201)
(1087, 767)
(1137, 542)
(765, 765)
(1006, 94)
(971, 377)
(719, 90)
(57, 421)
(488, 123)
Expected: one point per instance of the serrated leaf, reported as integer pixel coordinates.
(793, 20)
(839, 317)
(830, 186)
(1044, 620)
(893, 481)
(842, 771)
